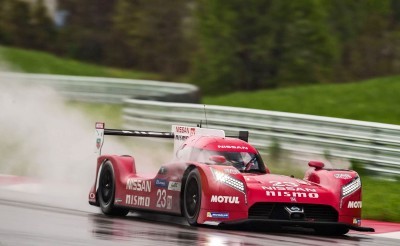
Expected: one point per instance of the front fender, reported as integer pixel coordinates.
(221, 197)
(349, 206)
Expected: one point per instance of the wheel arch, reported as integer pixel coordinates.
(184, 178)
(204, 176)
(107, 190)
(122, 167)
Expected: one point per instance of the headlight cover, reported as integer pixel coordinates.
(228, 180)
(351, 187)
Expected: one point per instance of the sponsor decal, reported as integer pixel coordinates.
(181, 138)
(225, 199)
(138, 185)
(185, 130)
(99, 139)
(218, 215)
(142, 201)
(354, 204)
(342, 176)
(231, 171)
(357, 221)
(118, 200)
(175, 186)
(232, 147)
(294, 209)
(291, 194)
(289, 189)
(169, 202)
(182, 133)
(283, 184)
(161, 183)
(98, 143)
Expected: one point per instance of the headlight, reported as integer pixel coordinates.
(351, 187)
(228, 180)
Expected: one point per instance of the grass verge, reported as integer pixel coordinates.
(31, 61)
(381, 199)
(374, 100)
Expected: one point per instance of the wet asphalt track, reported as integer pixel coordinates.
(25, 223)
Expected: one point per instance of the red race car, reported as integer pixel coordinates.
(219, 180)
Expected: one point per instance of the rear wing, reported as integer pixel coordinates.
(178, 133)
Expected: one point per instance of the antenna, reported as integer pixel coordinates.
(205, 115)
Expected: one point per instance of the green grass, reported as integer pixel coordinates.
(381, 199)
(40, 62)
(374, 100)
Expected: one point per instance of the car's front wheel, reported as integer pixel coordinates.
(192, 197)
(106, 191)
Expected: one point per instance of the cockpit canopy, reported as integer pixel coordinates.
(222, 151)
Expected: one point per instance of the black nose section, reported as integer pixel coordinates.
(297, 216)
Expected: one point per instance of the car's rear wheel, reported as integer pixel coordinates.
(192, 197)
(106, 192)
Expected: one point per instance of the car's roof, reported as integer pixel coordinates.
(220, 144)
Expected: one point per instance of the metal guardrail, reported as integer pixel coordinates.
(375, 145)
(108, 90)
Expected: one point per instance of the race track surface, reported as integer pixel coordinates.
(38, 219)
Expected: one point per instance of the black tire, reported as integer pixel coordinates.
(331, 231)
(106, 192)
(192, 197)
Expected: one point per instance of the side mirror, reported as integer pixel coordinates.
(317, 164)
(218, 158)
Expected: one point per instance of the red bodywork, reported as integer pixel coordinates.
(316, 199)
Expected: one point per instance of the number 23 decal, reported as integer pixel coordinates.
(163, 201)
(161, 198)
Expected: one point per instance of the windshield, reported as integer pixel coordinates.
(243, 161)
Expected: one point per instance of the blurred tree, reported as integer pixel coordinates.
(43, 29)
(395, 8)
(86, 34)
(257, 44)
(308, 50)
(234, 45)
(153, 31)
(369, 37)
(15, 25)
(2, 21)
(25, 25)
